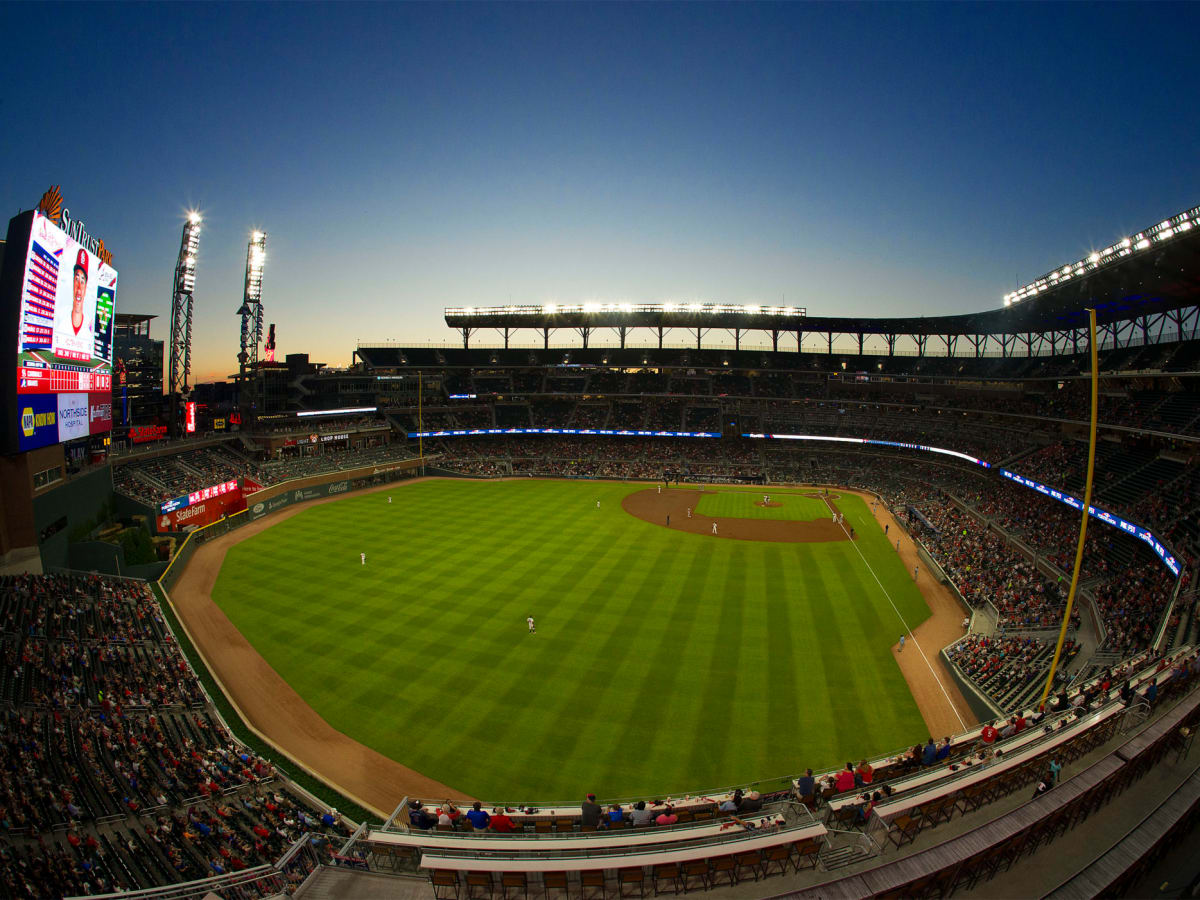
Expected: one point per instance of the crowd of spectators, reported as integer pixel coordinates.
(154, 481)
(1005, 667)
(115, 774)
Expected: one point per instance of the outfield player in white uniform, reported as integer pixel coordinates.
(363, 557)
(529, 622)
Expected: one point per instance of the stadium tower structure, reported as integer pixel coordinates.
(251, 314)
(181, 317)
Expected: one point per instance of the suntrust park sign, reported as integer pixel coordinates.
(52, 206)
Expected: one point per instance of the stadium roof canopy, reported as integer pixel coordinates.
(1145, 289)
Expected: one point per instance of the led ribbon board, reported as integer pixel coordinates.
(599, 432)
(849, 440)
(217, 490)
(1142, 534)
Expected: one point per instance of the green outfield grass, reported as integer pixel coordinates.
(663, 661)
(739, 503)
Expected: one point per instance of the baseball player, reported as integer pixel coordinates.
(714, 527)
(363, 557)
(78, 289)
(532, 627)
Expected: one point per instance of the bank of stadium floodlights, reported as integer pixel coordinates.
(1154, 236)
(251, 312)
(181, 316)
(629, 309)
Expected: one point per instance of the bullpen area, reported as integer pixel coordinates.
(665, 658)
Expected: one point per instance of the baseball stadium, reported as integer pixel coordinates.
(583, 602)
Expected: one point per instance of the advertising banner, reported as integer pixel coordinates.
(191, 418)
(72, 416)
(99, 413)
(216, 490)
(141, 434)
(39, 419)
(203, 513)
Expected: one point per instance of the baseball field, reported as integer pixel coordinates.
(666, 659)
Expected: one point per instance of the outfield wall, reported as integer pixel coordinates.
(276, 497)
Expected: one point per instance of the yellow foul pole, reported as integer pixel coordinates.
(1087, 504)
(421, 428)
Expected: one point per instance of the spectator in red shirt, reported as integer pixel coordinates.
(989, 734)
(845, 780)
(865, 772)
(502, 823)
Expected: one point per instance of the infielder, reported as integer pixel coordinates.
(714, 527)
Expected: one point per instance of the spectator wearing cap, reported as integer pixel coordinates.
(419, 817)
(590, 812)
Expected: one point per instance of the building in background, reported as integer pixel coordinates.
(137, 376)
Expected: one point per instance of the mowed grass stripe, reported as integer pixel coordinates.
(663, 661)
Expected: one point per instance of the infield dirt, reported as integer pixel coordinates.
(673, 504)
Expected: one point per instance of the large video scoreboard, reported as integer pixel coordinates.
(57, 308)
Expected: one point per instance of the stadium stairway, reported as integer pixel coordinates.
(328, 883)
(846, 848)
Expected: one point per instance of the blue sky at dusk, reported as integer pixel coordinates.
(853, 159)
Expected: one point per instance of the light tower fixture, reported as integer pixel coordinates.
(1128, 246)
(251, 314)
(181, 316)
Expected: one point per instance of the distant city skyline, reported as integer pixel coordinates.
(895, 159)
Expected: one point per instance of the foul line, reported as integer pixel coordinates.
(907, 630)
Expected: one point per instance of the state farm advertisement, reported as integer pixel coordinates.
(202, 513)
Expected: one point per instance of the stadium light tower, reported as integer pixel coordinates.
(251, 314)
(181, 317)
